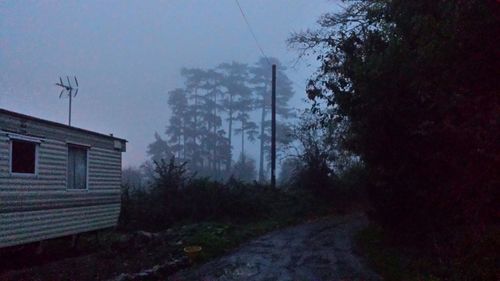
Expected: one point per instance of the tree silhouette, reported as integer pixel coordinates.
(159, 149)
(213, 99)
(176, 129)
(244, 168)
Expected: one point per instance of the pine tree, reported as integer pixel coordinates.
(239, 101)
(194, 129)
(248, 129)
(159, 149)
(204, 96)
(235, 79)
(176, 129)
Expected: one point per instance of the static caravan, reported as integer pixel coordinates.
(55, 180)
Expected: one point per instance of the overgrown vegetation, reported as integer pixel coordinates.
(217, 216)
(396, 263)
(323, 167)
(176, 197)
(390, 261)
(412, 85)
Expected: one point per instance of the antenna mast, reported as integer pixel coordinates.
(67, 90)
(273, 127)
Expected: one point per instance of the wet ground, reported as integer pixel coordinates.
(115, 254)
(315, 251)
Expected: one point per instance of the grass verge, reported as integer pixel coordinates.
(389, 261)
(218, 238)
(478, 262)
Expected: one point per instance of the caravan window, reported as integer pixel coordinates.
(23, 157)
(77, 167)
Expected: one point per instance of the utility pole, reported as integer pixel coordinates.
(273, 130)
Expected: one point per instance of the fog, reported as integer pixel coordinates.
(128, 54)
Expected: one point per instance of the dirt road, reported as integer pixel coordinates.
(316, 251)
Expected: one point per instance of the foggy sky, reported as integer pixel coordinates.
(127, 56)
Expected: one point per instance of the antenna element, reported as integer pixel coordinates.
(69, 92)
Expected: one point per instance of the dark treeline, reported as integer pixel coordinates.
(413, 86)
(218, 108)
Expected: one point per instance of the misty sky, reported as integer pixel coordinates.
(127, 55)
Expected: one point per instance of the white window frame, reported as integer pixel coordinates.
(87, 149)
(23, 138)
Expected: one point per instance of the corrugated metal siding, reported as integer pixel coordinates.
(34, 208)
(24, 227)
(104, 169)
(28, 201)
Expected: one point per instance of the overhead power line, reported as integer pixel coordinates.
(251, 31)
(260, 47)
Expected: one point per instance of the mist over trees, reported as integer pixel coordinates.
(219, 108)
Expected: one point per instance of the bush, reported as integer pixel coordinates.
(324, 168)
(176, 197)
(416, 83)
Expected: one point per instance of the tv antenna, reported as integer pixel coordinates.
(67, 90)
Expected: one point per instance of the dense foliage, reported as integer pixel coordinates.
(416, 82)
(177, 197)
(321, 166)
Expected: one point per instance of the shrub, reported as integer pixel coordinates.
(176, 197)
(416, 83)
